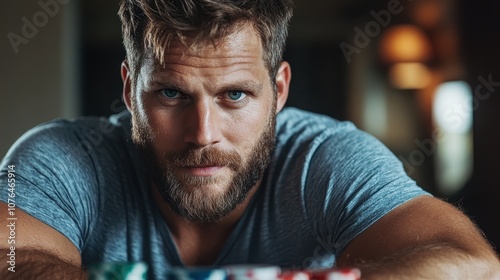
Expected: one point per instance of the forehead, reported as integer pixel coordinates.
(241, 46)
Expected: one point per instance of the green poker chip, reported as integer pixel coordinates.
(118, 271)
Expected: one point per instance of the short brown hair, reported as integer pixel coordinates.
(154, 23)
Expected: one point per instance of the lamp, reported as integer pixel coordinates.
(406, 48)
(404, 43)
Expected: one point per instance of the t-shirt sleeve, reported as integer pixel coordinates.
(52, 179)
(353, 181)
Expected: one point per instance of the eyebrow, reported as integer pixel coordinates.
(166, 85)
(247, 85)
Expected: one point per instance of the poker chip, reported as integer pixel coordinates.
(336, 274)
(295, 275)
(118, 271)
(253, 272)
(196, 273)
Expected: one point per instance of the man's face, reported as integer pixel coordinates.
(205, 123)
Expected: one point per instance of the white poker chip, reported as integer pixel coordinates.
(253, 272)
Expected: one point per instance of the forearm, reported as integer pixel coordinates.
(32, 264)
(438, 261)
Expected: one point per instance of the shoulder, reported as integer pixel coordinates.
(78, 137)
(334, 159)
(301, 133)
(68, 150)
(333, 152)
(302, 125)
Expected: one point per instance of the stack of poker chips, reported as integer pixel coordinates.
(138, 271)
(260, 272)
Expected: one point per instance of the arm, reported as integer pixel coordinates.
(41, 252)
(34, 264)
(424, 238)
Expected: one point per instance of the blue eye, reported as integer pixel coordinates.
(236, 95)
(170, 93)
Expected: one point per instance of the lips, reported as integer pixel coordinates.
(202, 170)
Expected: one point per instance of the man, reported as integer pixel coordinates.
(209, 169)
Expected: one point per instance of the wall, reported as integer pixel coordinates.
(39, 65)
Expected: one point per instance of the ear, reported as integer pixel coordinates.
(125, 72)
(283, 78)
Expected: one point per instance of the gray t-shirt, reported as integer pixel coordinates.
(327, 182)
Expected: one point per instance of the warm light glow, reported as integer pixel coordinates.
(404, 43)
(452, 114)
(409, 75)
(453, 107)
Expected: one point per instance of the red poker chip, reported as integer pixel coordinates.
(295, 275)
(336, 274)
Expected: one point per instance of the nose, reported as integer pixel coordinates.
(202, 124)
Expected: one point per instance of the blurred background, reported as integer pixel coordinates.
(422, 76)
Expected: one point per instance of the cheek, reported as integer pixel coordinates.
(246, 129)
(164, 129)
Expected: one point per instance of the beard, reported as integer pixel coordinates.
(194, 197)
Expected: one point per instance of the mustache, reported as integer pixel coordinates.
(203, 157)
